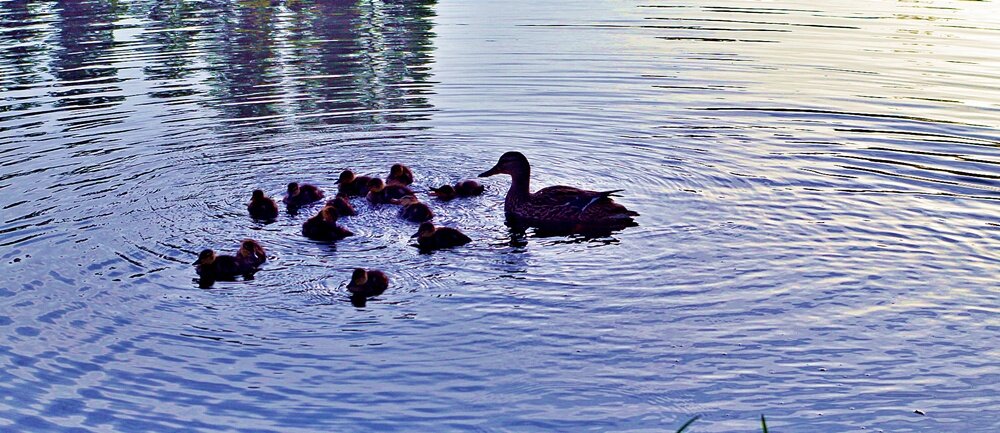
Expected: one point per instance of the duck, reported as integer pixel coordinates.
(250, 255)
(342, 205)
(351, 185)
(557, 208)
(380, 193)
(262, 207)
(366, 283)
(301, 195)
(323, 226)
(413, 210)
(434, 238)
(399, 174)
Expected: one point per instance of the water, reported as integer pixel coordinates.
(819, 187)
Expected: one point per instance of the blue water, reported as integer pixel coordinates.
(819, 187)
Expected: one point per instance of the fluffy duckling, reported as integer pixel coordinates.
(351, 185)
(262, 207)
(433, 238)
(342, 205)
(413, 210)
(367, 283)
(380, 193)
(301, 195)
(399, 174)
(213, 267)
(469, 188)
(323, 226)
(251, 255)
(465, 188)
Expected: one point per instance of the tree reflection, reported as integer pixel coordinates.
(85, 37)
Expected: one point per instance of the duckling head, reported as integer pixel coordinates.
(426, 229)
(206, 257)
(329, 214)
(250, 246)
(346, 176)
(376, 185)
(293, 188)
(359, 277)
(512, 163)
(396, 170)
(257, 195)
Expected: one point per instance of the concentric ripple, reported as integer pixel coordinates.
(818, 184)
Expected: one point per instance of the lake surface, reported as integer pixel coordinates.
(819, 242)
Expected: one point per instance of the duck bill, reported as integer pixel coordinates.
(490, 172)
(415, 235)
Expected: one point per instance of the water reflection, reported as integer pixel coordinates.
(84, 39)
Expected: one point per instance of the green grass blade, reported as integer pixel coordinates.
(763, 424)
(689, 422)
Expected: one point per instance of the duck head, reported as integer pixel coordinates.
(375, 185)
(359, 277)
(512, 163)
(396, 170)
(426, 229)
(257, 195)
(293, 189)
(346, 176)
(207, 257)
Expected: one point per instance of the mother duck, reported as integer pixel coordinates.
(557, 208)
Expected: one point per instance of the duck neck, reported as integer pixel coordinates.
(519, 185)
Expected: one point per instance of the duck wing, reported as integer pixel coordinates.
(596, 205)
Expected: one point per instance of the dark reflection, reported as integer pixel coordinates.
(244, 64)
(358, 61)
(85, 37)
(173, 36)
(19, 57)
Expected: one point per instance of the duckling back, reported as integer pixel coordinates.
(416, 212)
(443, 237)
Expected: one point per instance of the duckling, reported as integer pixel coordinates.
(469, 188)
(557, 208)
(444, 192)
(465, 188)
(367, 283)
(250, 256)
(380, 193)
(433, 238)
(214, 267)
(262, 207)
(301, 195)
(413, 210)
(342, 205)
(351, 185)
(323, 226)
(399, 174)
